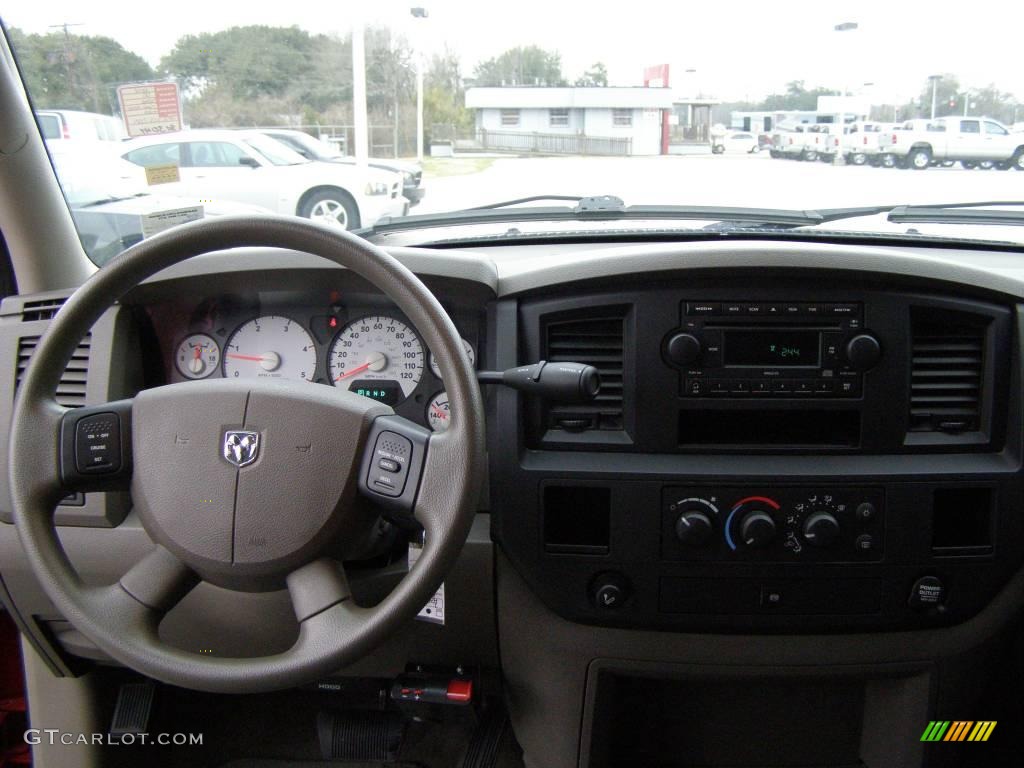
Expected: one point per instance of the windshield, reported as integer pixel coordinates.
(453, 106)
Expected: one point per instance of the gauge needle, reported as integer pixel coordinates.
(268, 360)
(440, 413)
(377, 362)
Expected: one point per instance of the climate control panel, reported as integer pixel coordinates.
(789, 524)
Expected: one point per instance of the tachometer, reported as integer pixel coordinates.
(273, 347)
(377, 349)
(470, 352)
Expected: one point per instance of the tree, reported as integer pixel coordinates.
(65, 71)
(444, 98)
(529, 65)
(597, 75)
(796, 97)
(947, 91)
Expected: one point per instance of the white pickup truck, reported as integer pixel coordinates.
(861, 144)
(973, 141)
(802, 142)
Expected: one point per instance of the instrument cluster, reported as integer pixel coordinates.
(367, 349)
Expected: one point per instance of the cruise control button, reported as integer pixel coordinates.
(98, 443)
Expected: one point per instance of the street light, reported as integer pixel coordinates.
(935, 85)
(419, 12)
(846, 26)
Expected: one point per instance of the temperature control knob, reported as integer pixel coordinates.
(757, 529)
(863, 352)
(684, 349)
(821, 529)
(693, 527)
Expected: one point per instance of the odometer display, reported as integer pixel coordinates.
(377, 348)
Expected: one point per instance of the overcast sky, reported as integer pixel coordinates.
(737, 50)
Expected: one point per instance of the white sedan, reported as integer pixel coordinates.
(248, 167)
(735, 141)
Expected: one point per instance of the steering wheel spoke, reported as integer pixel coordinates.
(96, 447)
(159, 580)
(316, 587)
(395, 453)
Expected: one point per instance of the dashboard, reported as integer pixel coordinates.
(804, 458)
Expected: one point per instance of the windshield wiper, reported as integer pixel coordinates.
(598, 208)
(725, 218)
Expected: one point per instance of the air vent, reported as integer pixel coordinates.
(44, 309)
(71, 391)
(596, 341)
(946, 377)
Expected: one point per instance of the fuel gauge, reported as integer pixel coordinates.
(197, 357)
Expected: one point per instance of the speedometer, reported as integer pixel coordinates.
(270, 347)
(377, 356)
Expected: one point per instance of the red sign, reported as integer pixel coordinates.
(149, 108)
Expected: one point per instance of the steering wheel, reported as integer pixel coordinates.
(248, 484)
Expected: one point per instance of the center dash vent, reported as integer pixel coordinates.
(43, 309)
(596, 341)
(946, 376)
(71, 390)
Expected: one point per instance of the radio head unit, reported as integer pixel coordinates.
(778, 349)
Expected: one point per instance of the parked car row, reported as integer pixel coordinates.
(273, 170)
(974, 142)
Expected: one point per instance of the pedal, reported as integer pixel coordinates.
(487, 739)
(363, 735)
(133, 708)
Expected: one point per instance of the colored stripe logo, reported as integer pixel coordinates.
(958, 730)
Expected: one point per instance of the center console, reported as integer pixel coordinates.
(769, 453)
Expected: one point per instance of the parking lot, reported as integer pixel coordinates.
(741, 180)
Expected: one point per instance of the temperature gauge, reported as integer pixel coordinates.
(438, 412)
(197, 357)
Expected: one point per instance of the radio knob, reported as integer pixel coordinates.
(693, 527)
(821, 529)
(757, 529)
(684, 349)
(863, 352)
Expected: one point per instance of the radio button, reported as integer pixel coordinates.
(695, 387)
(804, 388)
(739, 387)
(812, 310)
(760, 388)
(773, 310)
(792, 310)
(719, 388)
(733, 308)
(842, 310)
(703, 308)
(824, 387)
(782, 387)
(755, 309)
(849, 387)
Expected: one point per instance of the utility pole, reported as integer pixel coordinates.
(846, 26)
(67, 56)
(419, 12)
(362, 153)
(935, 85)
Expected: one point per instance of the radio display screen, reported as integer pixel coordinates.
(772, 348)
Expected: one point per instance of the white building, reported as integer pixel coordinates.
(591, 120)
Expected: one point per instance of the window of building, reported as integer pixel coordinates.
(510, 117)
(622, 117)
(558, 117)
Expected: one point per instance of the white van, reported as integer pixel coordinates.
(61, 124)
